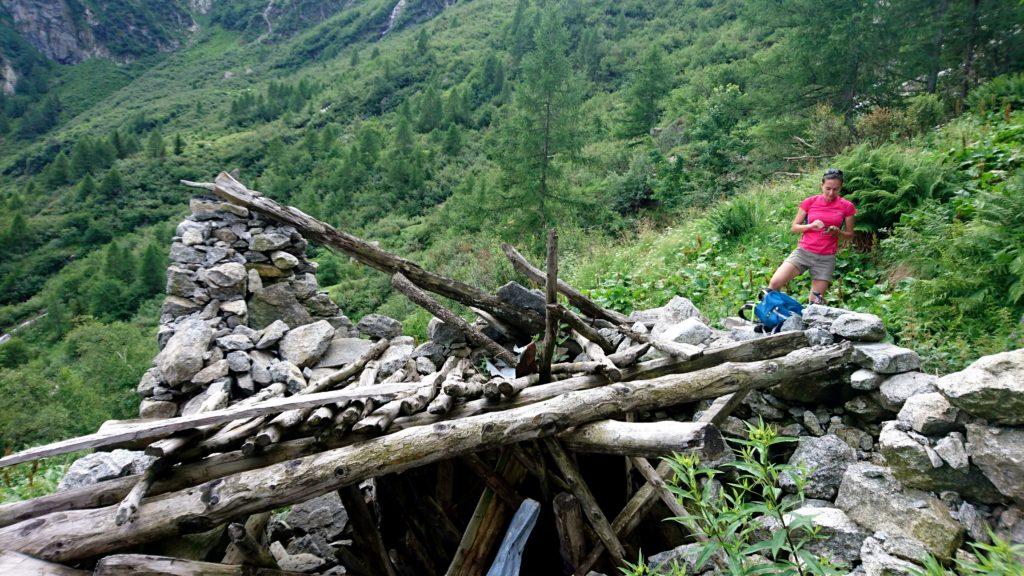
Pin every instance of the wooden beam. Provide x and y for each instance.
(370, 543)
(572, 539)
(551, 314)
(496, 483)
(147, 565)
(648, 439)
(15, 564)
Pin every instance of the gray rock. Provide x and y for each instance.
(866, 407)
(859, 327)
(818, 336)
(689, 331)
(886, 358)
(149, 381)
(396, 355)
(260, 370)
(303, 346)
(288, 374)
(321, 305)
(283, 260)
(323, 516)
(180, 282)
(952, 451)
(867, 380)
(231, 274)
(873, 498)
(233, 342)
(516, 294)
(431, 350)
(255, 283)
(822, 316)
(684, 556)
(215, 397)
(186, 254)
(176, 306)
(826, 458)
(840, 538)
(302, 562)
(877, 562)
(304, 286)
(999, 453)
(343, 350)
(153, 408)
(424, 366)
(760, 406)
(930, 414)
(973, 522)
(794, 323)
(895, 390)
(379, 326)
(99, 466)
(238, 361)
(215, 371)
(271, 334)
(277, 302)
(236, 307)
(268, 242)
(444, 334)
(811, 423)
(916, 465)
(182, 357)
(991, 388)
(310, 544)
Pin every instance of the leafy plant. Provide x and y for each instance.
(735, 218)
(1000, 558)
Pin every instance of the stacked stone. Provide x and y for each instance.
(243, 310)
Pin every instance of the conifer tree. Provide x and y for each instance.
(453, 140)
(151, 277)
(648, 86)
(59, 171)
(353, 60)
(111, 186)
(422, 42)
(179, 145)
(431, 110)
(155, 147)
(83, 159)
(87, 188)
(543, 129)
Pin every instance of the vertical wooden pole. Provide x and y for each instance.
(551, 315)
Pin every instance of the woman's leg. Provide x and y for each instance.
(786, 272)
(819, 287)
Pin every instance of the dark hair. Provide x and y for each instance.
(832, 174)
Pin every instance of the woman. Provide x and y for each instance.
(830, 218)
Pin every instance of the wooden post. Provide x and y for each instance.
(551, 314)
(572, 539)
(365, 532)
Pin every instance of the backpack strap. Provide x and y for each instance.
(748, 306)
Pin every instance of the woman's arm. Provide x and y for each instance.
(846, 232)
(797, 227)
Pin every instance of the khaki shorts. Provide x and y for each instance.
(822, 266)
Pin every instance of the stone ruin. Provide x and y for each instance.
(903, 464)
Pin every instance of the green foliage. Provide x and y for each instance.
(1000, 558)
(650, 81)
(731, 517)
(34, 479)
(734, 218)
(1001, 91)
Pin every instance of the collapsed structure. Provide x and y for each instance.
(398, 458)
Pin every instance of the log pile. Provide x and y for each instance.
(399, 458)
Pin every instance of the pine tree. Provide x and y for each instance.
(179, 145)
(155, 147)
(431, 110)
(544, 127)
(59, 171)
(150, 278)
(648, 86)
(422, 42)
(353, 60)
(87, 188)
(453, 140)
(590, 52)
(83, 159)
(111, 186)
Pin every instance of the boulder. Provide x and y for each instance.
(236, 307)
(396, 355)
(304, 286)
(153, 408)
(991, 388)
(867, 408)
(379, 326)
(323, 516)
(916, 465)
(518, 295)
(689, 331)
(872, 497)
(268, 241)
(431, 350)
(875, 561)
(821, 316)
(271, 334)
(999, 453)
(684, 556)
(895, 390)
(818, 336)
(215, 371)
(840, 538)
(826, 458)
(930, 414)
(238, 361)
(277, 302)
(886, 358)
(862, 379)
(952, 451)
(180, 282)
(859, 327)
(343, 350)
(99, 466)
(182, 357)
(260, 368)
(283, 260)
(149, 382)
(288, 374)
(303, 346)
(233, 342)
(176, 306)
(444, 334)
(228, 275)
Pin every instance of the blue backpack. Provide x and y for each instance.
(772, 310)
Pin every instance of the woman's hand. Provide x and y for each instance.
(816, 225)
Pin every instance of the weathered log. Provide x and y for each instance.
(508, 561)
(255, 532)
(233, 191)
(147, 565)
(403, 285)
(572, 539)
(577, 368)
(373, 553)
(591, 511)
(580, 325)
(586, 305)
(511, 388)
(321, 417)
(671, 348)
(648, 439)
(86, 533)
(153, 429)
(349, 370)
(597, 354)
(249, 551)
(14, 564)
(493, 481)
(506, 330)
(128, 509)
(551, 314)
(658, 483)
(629, 356)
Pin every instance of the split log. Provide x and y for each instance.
(146, 565)
(153, 429)
(671, 348)
(111, 491)
(591, 511)
(509, 558)
(597, 354)
(312, 229)
(551, 314)
(80, 534)
(586, 305)
(403, 285)
(507, 331)
(648, 439)
(572, 540)
(15, 564)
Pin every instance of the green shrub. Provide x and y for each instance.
(734, 218)
(925, 111)
(997, 93)
(1000, 558)
(881, 124)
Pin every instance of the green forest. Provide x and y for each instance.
(668, 142)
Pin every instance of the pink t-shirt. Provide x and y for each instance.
(832, 214)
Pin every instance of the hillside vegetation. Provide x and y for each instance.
(419, 129)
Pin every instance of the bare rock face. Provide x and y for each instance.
(182, 358)
(303, 346)
(999, 452)
(873, 498)
(991, 388)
